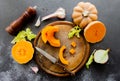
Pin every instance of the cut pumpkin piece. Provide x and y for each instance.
(72, 51)
(48, 35)
(22, 51)
(62, 59)
(73, 44)
(44, 33)
(51, 39)
(95, 31)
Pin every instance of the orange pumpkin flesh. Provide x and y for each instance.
(95, 32)
(72, 51)
(44, 33)
(73, 44)
(51, 39)
(62, 59)
(48, 35)
(22, 52)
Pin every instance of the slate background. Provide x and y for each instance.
(109, 11)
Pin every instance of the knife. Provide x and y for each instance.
(53, 60)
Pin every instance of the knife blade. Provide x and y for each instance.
(53, 59)
(48, 56)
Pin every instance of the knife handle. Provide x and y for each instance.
(17, 25)
(65, 69)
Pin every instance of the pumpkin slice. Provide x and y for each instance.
(44, 33)
(50, 36)
(62, 59)
(22, 52)
(95, 32)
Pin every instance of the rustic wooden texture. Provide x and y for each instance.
(76, 61)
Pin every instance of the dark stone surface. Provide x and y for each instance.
(109, 11)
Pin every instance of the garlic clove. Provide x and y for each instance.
(49, 16)
(35, 7)
(59, 13)
(34, 69)
(38, 22)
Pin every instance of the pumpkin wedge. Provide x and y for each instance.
(44, 33)
(22, 51)
(48, 35)
(62, 59)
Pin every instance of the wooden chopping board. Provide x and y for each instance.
(76, 61)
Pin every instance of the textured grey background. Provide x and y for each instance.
(109, 13)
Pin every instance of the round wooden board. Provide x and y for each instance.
(76, 61)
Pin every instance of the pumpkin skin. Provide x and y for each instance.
(44, 33)
(48, 35)
(84, 13)
(62, 59)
